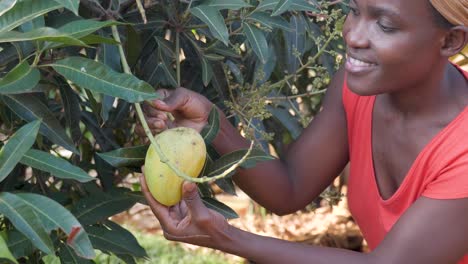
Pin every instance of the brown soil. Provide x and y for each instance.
(326, 226)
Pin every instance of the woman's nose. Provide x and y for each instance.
(356, 33)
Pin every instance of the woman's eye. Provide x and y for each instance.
(385, 28)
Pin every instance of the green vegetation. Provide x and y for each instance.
(74, 72)
(161, 251)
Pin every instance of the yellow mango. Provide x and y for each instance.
(185, 149)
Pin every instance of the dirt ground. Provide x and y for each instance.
(326, 226)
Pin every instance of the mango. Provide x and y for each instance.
(184, 148)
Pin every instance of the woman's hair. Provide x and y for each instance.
(439, 20)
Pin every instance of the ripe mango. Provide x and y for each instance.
(184, 148)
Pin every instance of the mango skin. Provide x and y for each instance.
(186, 149)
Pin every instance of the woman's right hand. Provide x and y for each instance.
(188, 108)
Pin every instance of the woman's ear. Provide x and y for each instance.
(455, 40)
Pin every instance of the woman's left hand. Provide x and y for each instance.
(190, 221)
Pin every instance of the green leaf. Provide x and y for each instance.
(227, 4)
(101, 78)
(166, 46)
(116, 239)
(25, 11)
(126, 157)
(5, 253)
(67, 255)
(22, 78)
(263, 71)
(281, 7)
(103, 135)
(215, 21)
(224, 51)
(16, 146)
(107, 105)
(110, 56)
(295, 42)
(267, 5)
(294, 5)
(53, 216)
(6, 5)
(207, 71)
(58, 167)
(100, 206)
(24, 218)
(213, 57)
(165, 65)
(30, 109)
(71, 5)
(96, 39)
(85, 27)
(210, 131)
(289, 122)
(40, 34)
(219, 207)
(227, 185)
(51, 259)
(268, 21)
(235, 71)
(257, 41)
(19, 244)
(230, 159)
(304, 5)
(71, 107)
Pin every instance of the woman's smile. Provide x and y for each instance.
(358, 66)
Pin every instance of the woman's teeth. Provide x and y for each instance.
(357, 62)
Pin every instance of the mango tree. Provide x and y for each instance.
(74, 73)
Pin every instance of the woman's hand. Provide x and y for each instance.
(189, 221)
(189, 109)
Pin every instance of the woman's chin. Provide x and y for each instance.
(361, 89)
(362, 86)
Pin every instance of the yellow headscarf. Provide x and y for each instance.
(455, 11)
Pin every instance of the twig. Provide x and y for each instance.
(141, 8)
(296, 96)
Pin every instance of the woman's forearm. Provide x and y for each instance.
(262, 180)
(260, 249)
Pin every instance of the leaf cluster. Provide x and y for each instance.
(69, 154)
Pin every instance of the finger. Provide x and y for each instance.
(155, 123)
(183, 208)
(160, 211)
(175, 100)
(152, 112)
(139, 130)
(193, 201)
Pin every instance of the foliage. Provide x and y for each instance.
(72, 73)
(161, 251)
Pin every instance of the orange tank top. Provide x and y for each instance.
(440, 171)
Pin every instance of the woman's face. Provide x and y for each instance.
(391, 44)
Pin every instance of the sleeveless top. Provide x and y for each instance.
(440, 171)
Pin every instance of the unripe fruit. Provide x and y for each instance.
(185, 149)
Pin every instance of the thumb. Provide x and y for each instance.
(174, 100)
(192, 199)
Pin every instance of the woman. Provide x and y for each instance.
(397, 112)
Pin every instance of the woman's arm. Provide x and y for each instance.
(312, 162)
(430, 232)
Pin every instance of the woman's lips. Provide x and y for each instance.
(354, 65)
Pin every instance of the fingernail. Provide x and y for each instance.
(161, 103)
(189, 187)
